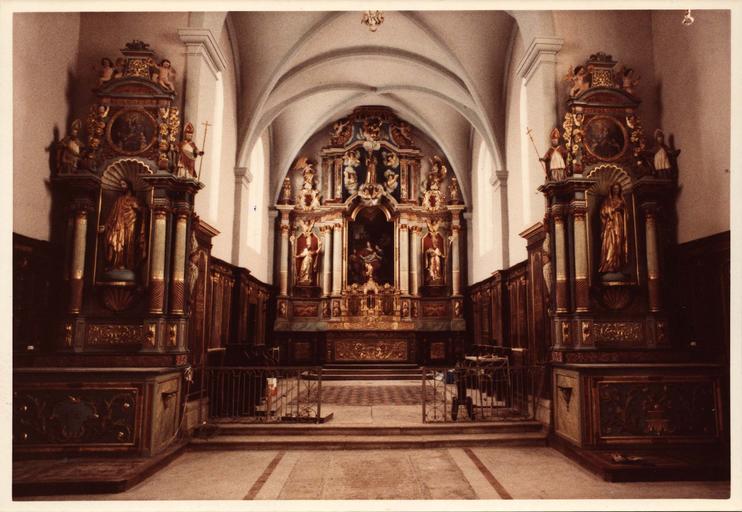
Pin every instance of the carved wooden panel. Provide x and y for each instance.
(302, 351)
(58, 415)
(437, 350)
(670, 407)
(435, 309)
(370, 350)
(568, 402)
(113, 334)
(306, 309)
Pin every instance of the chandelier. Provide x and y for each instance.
(373, 19)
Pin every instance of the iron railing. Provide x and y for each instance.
(259, 394)
(488, 392)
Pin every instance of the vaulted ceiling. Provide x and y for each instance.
(441, 71)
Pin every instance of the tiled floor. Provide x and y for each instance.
(447, 473)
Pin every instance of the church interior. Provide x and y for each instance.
(370, 255)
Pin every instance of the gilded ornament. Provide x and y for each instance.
(113, 334)
(618, 332)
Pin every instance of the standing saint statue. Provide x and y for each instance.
(124, 244)
(614, 242)
(307, 264)
(189, 152)
(433, 262)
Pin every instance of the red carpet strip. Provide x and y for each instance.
(260, 482)
(489, 476)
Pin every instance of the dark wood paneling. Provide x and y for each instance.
(32, 285)
(700, 284)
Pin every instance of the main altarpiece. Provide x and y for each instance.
(369, 249)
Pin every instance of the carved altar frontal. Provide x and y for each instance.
(369, 239)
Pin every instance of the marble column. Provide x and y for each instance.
(415, 266)
(337, 259)
(283, 267)
(157, 269)
(326, 260)
(77, 268)
(455, 261)
(404, 259)
(177, 284)
(560, 242)
(582, 292)
(653, 267)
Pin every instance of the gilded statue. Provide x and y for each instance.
(433, 262)
(124, 243)
(307, 258)
(629, 79)
(69, 149)
(614, 241)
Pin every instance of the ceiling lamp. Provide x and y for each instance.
(373, 19)
(688, 19)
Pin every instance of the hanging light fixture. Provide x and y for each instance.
(688, 19)
(373, 19)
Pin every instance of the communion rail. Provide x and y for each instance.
(487, 392)
(259, 394)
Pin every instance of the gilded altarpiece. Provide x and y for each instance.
(609, 234)
(369, 248)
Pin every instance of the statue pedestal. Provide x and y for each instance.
(307, 291)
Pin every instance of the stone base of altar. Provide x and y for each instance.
(373, 347)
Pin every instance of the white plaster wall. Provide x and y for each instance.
(692, 74)
(258, 254)
(227, 134)
(515, 129)
(42, 91)
(484, 227)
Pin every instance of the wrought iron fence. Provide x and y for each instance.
(486, 392)
(262, 394)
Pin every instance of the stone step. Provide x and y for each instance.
(469, 428)
(370, 376)
(355, 442)
(365, 366)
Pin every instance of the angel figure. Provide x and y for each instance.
(402, 133)
(436, 174)
(351, 160)
(579, 80)
(629, 79)
(165, 75)
(391, 159)
(106, 72)
(391, 181)
(336, 132)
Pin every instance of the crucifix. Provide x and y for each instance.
(203, 148)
